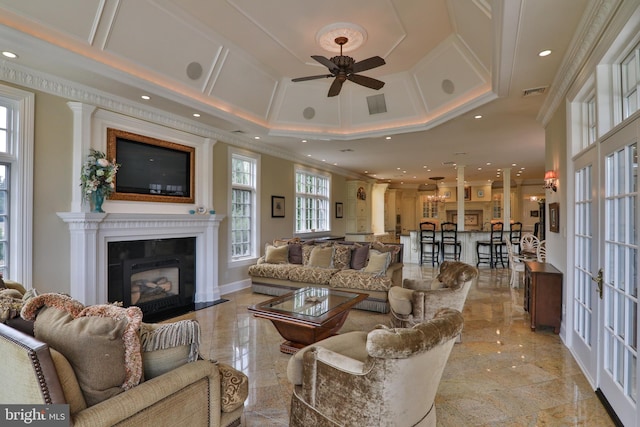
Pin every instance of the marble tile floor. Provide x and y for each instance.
(501, 374)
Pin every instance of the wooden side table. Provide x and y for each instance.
(543, 294)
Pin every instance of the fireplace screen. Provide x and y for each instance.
(154, 284)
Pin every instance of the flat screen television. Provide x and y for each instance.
(151, 169)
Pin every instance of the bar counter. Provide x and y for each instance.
(468, 239)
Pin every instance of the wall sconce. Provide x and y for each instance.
(550, 180)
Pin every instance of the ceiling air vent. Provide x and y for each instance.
(534, 91)
(376, 104)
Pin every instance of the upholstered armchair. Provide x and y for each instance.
(387, 377)
(418, 300)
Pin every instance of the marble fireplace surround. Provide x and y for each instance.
(90, 234)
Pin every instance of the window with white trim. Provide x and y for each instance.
(630, 74)
(312, 201)
(16, 184)
(243, 222)
(591, 121)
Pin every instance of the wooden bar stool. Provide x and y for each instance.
(429, 246)
(449, 238)
(493, 247)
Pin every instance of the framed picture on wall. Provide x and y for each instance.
(339, 210)
(480, 194)
(277, 207)
(467, 193)
(554, 217)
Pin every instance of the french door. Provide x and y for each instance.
(585, 303)
(618, 359)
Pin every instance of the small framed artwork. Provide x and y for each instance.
(534, 214)
(447, 194)
(339, 210)
(277, 207)
(554, 217)
(467, 193)
(480, 194)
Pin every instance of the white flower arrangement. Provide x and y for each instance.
(98, 173)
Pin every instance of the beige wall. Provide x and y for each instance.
(556, 159)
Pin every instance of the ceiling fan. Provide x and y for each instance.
(345, 68)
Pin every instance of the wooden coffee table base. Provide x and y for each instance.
(298, 335)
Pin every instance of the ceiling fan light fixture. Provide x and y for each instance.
(326, 37)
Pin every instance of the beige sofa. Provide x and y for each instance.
(370, 268)
(175, 391)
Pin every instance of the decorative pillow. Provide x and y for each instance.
(276, 255)
(167, 346)
(359, 256)
(285, 242)
(393, 249)
(234, 388)
(306, 253)
(378, 262)
(341, 256)
(321, 257)
(101, 342)
(295, 253)
(453, 274)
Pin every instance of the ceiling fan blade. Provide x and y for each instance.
(367, 64)
(302, 79)
(335, 87)
(326, 62)
(366, 81)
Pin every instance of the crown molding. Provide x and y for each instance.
(588, 35)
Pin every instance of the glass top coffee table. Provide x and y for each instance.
(307, 315)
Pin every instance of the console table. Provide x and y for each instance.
(543, 294)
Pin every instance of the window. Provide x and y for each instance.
(244, 179)
(591, 121)
(312, 202)
(16, 184)
(630, 70)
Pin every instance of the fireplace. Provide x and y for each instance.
(157, 275)
(91, 234)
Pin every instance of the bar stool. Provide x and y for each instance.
(515, 233)
(449, 238)
(429, 246)
(494, 245)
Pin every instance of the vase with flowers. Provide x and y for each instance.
(98, 179)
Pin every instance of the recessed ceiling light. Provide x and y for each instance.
(308, 155)
(256, 137)
(366, 171)
(196, 115)
(398, 168)
(477, 116)
(479, 169)
(388, 137)
(513, 164)
(545, 53)
(8, 54)
(304, 140)
(145, 97)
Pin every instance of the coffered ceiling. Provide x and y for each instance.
(232, 61)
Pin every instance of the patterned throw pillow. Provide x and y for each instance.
(341, 256)
(101, 342)
(393, 249)
(295, 253)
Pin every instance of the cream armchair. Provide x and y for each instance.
(387, 377)
(418, 300)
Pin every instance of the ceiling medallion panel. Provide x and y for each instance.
(356, 35)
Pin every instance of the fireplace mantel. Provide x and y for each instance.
(90, 233)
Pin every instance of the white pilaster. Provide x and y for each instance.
(460, 209)
(81, 143)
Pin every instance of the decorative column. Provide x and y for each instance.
(377, 207)
(460, 184)
(81, 143)
(506, 198)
